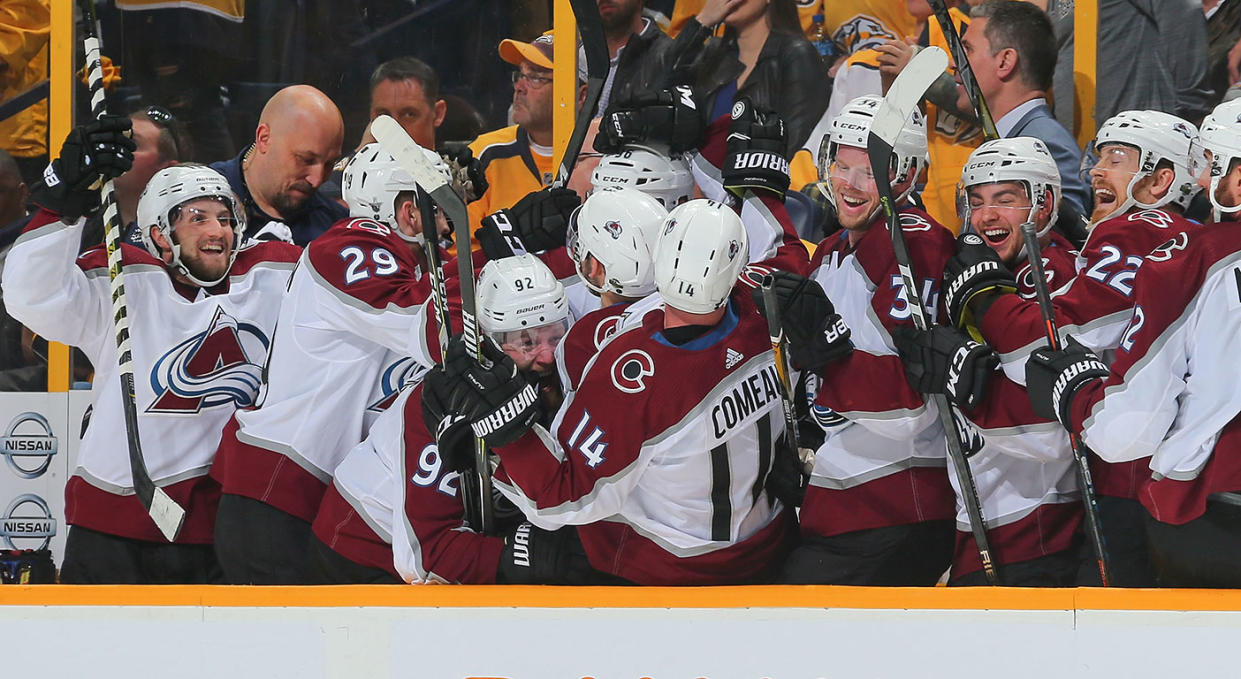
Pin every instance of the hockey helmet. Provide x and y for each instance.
(372, 181)
(160, 203)
(1025, 160)
(701, 249)
(1221, 135)
(1157, 136)
(519, 293)
(851, 127)
(666, 179)
(618, 227)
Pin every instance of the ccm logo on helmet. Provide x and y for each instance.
(630, 370)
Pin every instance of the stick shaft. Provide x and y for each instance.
(1090, 503)
(964, 71)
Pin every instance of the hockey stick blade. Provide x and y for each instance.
(595, 47)
(906, 92)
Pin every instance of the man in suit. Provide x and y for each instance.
(1012, 48)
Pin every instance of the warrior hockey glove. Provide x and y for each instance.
(533, 556)
(817, 335)
(538, 222)
(498, 400)
(99, 150)
(754, 152)
(1054, 377)
(467, 172)
(665, 118)
(441, 400)
(975, 272)
(944, 361)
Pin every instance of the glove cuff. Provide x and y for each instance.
(1070, 381)
(508, 416)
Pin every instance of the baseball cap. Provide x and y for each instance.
(537, 51)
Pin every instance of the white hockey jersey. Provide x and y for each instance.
(356, 325)
(197, 356)
(1172, 393)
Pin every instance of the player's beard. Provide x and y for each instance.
(548, 384)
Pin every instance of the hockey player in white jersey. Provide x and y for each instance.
(1169, 399)
(660, 456)
(202, 311)
(1142, 180)
(355, 325)
(612, 241)
(1024, 468)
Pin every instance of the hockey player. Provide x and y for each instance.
(523, 311)
(202, 313)
(1142, 181)
(1024, 469)
(660, 456)
(1169, 400)
(355, 325)
(878, 510)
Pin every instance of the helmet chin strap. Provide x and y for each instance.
(1218, 209)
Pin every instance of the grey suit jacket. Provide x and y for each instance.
(1041, 124)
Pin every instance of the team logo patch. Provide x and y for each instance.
(606, 328)
(733, 249)
(613, 229)
(396, 377)
(916, 222)
(219, 366)
(1164, 252)
(1158, 218)
(753, 275)
(630, 371)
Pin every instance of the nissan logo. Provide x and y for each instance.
(28, 445)
(27, 518)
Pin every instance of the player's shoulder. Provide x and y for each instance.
(362, 234)
(258, 253)
(594, 329)
(1136, 232)
(131, 255)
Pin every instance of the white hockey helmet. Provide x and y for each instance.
(519, 293)
(699, 254)
(1221, 135)
(173, 186)
(1016, 159)
(618, 226)
(372, 181)
(666, 179)
(851, 127)
(1157, 136)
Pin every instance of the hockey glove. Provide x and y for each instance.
(817, 335)
(498, 400)
(974, 273)
(538, 222)
(787, 479)
(99, 150)
(944, 361)
(441, 398)
(664, 118)
(533, 556)
(754, 152)
(1054, 377)
(467, 172)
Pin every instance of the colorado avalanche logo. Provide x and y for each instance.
(672, 224)
(613, 229)
(217, 367)
(606, 328)
(630, 371)
(733, 249)
(396, 377)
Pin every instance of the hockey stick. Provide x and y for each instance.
(776, 332)
(1094, 530)
(897, 107)
(964, 71)
(393, 138)
(164, 511)
(595, 45)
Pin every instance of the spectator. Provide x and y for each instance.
(13, 195)
(1223, 37)
(762, 56)
(1012, 49)
(517, 160)
(25, 26)
(855, 25)
(409, 90)
(635, 44)
(296, 143)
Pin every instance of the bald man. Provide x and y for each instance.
(296, 143)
